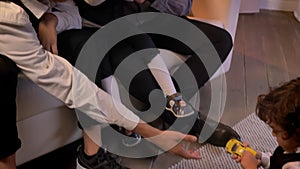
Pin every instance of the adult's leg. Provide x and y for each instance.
(90, 153)
(9, 143)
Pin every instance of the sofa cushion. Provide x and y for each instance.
(32, 100)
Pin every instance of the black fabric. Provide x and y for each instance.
(219, 38)
(70, 42)
(144, 82)
(278, 159)
(8, 83)
(10, 142)
(102, 14)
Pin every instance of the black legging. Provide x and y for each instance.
(10, 142)
(144, 82)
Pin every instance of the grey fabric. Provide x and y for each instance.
(175, 7)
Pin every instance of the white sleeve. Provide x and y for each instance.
(292, 165)
(57, 76)
(94, 2)
(68, 16)
(265, 160)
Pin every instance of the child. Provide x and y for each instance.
(280, 109)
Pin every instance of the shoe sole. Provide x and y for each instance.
(180, 116)
(131, 145)
(78, 166)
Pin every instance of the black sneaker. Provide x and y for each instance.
(220, 136)
(129, 140)
(178, 106)
(102, 160)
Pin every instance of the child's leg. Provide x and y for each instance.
(161, 74)
(175, 102)
(157, 67)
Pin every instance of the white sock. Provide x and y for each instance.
(162, 75)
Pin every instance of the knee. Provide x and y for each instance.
(225, 44)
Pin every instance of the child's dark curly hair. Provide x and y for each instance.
(282, 106)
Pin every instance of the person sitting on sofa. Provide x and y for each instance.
(69, 50)
(89, 154)
(73, 47)
(21, 50)
(103, 12)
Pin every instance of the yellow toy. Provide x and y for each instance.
(234, 146)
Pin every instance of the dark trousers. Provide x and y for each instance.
(9, 142)
(143, 83)
(220, 39)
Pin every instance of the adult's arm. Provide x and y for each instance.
(58, 77)
(54, 74)
(94, 2)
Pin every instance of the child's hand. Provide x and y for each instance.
(248, 161)
(47, 32)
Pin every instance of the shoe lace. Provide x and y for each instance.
(111, 160)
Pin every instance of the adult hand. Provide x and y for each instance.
(47, 32)
(174, 142)
(171, 141)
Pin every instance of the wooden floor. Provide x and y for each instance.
(266, 53)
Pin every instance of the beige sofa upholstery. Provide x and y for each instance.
(45, 124)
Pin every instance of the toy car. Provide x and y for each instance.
(234, 146)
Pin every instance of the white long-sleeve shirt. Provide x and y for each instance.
(19, 42)
(66, 12)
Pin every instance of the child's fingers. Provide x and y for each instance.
(236, 158)
(246, 144)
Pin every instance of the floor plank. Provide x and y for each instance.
(235, 101)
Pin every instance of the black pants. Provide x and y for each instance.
(142, 84)
(9, 142)
(220, 39)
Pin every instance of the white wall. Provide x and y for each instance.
(283, 5)
(297, 12)
(252, 6)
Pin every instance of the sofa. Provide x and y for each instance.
(46, 124)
